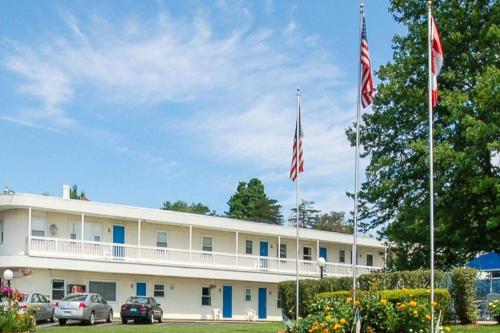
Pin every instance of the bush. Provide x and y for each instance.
(495, 310)
(399, 280)
(14, 320)
(463, 293)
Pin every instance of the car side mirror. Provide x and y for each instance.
(158, 304)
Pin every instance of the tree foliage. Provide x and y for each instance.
(182, 206)
(307, 216)
(250, 202)
(395, 195)
(311, 218)
(73, 193)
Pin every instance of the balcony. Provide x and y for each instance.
(124, 253)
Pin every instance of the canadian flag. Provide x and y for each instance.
(436, 59)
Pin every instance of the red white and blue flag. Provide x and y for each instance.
(366, 70)
(298, 154)
(437, 57)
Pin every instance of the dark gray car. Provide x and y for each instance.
(86, 308)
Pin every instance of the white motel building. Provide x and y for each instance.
(196, 266)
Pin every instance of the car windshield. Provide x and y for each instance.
(75, 298)
(138, 300)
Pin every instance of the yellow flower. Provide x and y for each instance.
(447, 329)
(434, 304)
(327, 308)
(337, 327)
(325, 330)
(415, 313)
(356, 302)
(404, 290)
(328, 318)
(412, 304)
(402, 307)
(343, 321)
(427, 317)
(349, 299)
(383, 301)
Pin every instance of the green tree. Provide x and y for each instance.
(250, 202)
(333, 221)
(73, 193)
(308, 215)
(182, 206)
(395, 195)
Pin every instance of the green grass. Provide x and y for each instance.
(170, 328)
(476, 329)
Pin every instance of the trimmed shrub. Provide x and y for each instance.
(399, 280)
(463, 293)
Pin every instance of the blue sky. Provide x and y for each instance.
(139, 102)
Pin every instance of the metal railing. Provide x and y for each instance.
(89, 250)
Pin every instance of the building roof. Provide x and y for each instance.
(113, 211)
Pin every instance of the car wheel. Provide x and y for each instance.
(110, 316)
(62, 322)
(91, 320)
(124, 321)
(151, 319)
(160, 320)
(52, 318)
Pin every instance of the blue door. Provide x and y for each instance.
(227, 302)
(262, 303)
(141, 289)
(118, 238)
(264, 252)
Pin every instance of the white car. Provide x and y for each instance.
(86, 308)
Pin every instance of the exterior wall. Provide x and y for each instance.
(15, 223)
(182, 295)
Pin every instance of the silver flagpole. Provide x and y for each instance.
(431, 157)
(297, 199)
(356, 163)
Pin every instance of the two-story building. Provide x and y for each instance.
(196, 266)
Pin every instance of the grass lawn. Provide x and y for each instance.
(169, 328)
(476, 328)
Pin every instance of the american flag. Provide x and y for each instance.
(297, 160)
(437, 60)
(366, 74)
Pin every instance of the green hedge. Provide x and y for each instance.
(371, 281)
(463, 293)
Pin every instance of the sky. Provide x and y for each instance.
(138, 102)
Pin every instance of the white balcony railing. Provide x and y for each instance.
(69, 248)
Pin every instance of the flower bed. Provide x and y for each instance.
(13, 319)
(336, 313)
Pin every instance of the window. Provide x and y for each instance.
(206, 296)
(342, 256)
(76, 288)
(42, 299)
(161, 239)
(369, 259)
(278, 301)
(1, 231)
(207, 243)
(248, 247)
(38, 226)
(307, 253)
(159, 290)
(93, 231)
(57, 289)
(248, 294)
(282, 250)
(106, 289)
(73, 230)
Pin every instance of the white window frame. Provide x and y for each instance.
(304, 253)
(366, 258)
(166, 238)
(212, 243)
(43, 219)
(102, 296)
(248, 294)
(52, 287)
(164, 289)
(251, 247)
(210, 295)
(91, 234)
(340, 260)
(279, 251)
(2, 224)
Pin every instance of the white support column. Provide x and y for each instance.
(83, 226)
(317, 248)
(29, 230)
(190, 242)
(237, 242)
(139, 232)
(279, 252)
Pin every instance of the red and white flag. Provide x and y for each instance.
(366, 70)
(436, 60)
(298, 154)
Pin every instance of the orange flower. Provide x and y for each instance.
(337, 327)
(343, 321)
(383, 301)
(427, 317)
(356, 302)
(413, 304)
(434, 304)
(349, 299)
(402, 307)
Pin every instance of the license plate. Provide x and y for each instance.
(133, 310)
(67, 312)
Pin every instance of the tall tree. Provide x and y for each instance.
(333, 221)
(308, 215)
(250, 202)
(395, 195)
(182, 206)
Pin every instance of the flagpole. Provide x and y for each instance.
(297, 199)
(431, 157)
(356, 163)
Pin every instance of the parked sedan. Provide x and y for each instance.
(141, 308)
(86, 308)
(44, 310)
